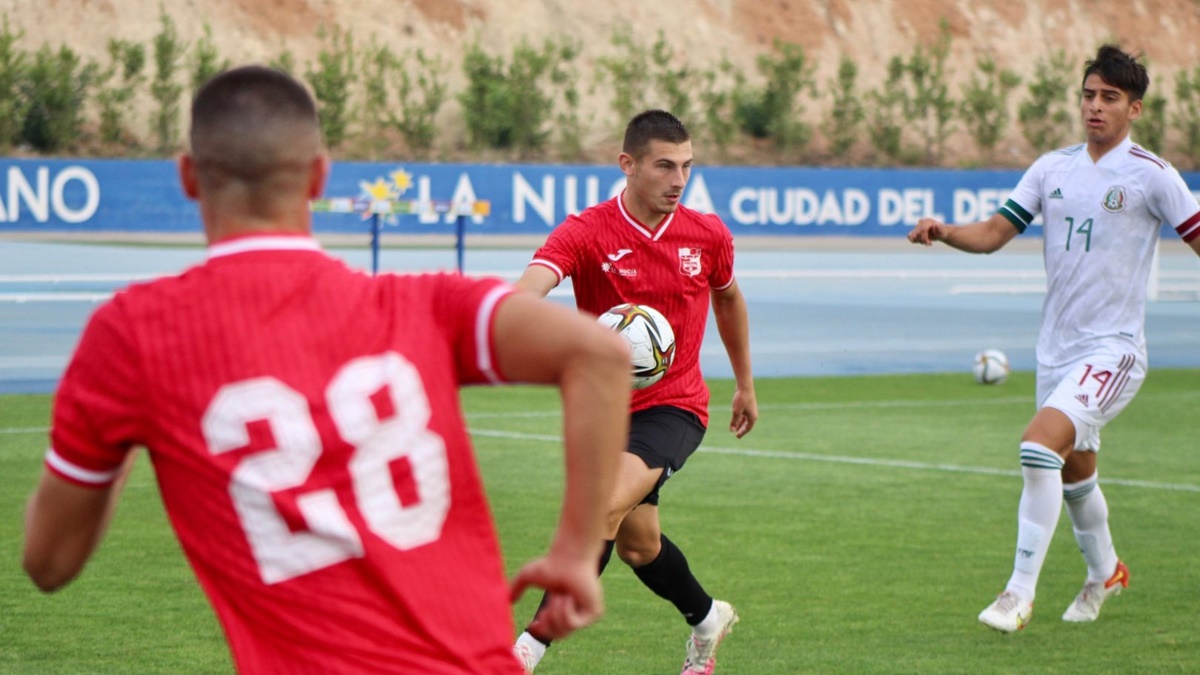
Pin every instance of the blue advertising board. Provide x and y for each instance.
(144, 196)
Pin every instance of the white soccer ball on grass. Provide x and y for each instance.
(991, 367)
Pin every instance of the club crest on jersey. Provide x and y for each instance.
(1114, 199)
(689, 261)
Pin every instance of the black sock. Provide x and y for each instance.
(605, 556)
(669, 576)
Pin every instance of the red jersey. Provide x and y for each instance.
(612, 258)
(304, 425)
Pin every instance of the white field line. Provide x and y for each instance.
(71, 278)
(54, 297)
(803, 456)
(841, 459)
(861, 461)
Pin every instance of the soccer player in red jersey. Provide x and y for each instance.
(644, 247)
(304, 425)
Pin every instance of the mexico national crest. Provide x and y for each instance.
(689, 261)
(1114, 199)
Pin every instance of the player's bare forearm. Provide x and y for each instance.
(537, 279)
(63, 524)
(595, 399)
(985, 236)
(1195, 244)
(541, 342)
(733, 325)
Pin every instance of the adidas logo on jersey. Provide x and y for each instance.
(1082, 398)
(1057, 194)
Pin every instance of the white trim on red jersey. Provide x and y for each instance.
(551, 266)
(77, 473)
(263, 243)
(658, 231)
(483, 332)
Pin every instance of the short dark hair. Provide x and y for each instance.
(653, 125)
(1121, 70)
(252, 121)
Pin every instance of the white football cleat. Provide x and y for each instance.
(1008, 614)
(1087, 604)
(702, 653)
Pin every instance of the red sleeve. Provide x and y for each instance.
(467, 309)
(560, 252)
(722, 272)
(98, 405)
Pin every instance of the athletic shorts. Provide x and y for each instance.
(1092, 391)
(664, 437)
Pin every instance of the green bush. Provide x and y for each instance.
(1045, 117)
(1187, 119)
(984, 105)
(846, 114)
(421, 95)
(168, 56)
(332, 79)
(928, 106)
(626, 74)
(116, 86)
(565, 77)
(717, 101)
(776, 110)
(504, 106)
(12, 74)
(55, 89)
(205, 60)
(884, 123)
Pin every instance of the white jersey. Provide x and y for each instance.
(1101, 226)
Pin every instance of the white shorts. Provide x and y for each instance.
(1092, 391)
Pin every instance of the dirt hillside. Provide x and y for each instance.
(1016, 34)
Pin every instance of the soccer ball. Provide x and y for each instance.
(991, 367)
(651, 340)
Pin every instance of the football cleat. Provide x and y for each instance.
(702, 653)
(1087, 604)
(1008, 614)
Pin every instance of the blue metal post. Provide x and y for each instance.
(460, 230)
(374, 243)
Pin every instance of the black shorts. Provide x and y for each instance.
(664, 437)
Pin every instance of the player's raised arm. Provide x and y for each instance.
(733, 324)
(985, 236)
(538, 341)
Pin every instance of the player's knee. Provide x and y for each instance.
(637, 553)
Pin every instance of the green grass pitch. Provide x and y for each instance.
(859, 529)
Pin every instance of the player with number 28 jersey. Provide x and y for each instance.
(269, 518)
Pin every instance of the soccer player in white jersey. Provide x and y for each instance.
(1103, 204)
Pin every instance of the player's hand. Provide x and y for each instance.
(745, 412)
(575, 598)
(927, 231)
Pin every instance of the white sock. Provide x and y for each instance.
(535, 646)
(709, 626)
(1037, 515)
(1089, 519)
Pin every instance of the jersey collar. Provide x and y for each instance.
(1119, 150)
(262, 242)
(653, 235)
